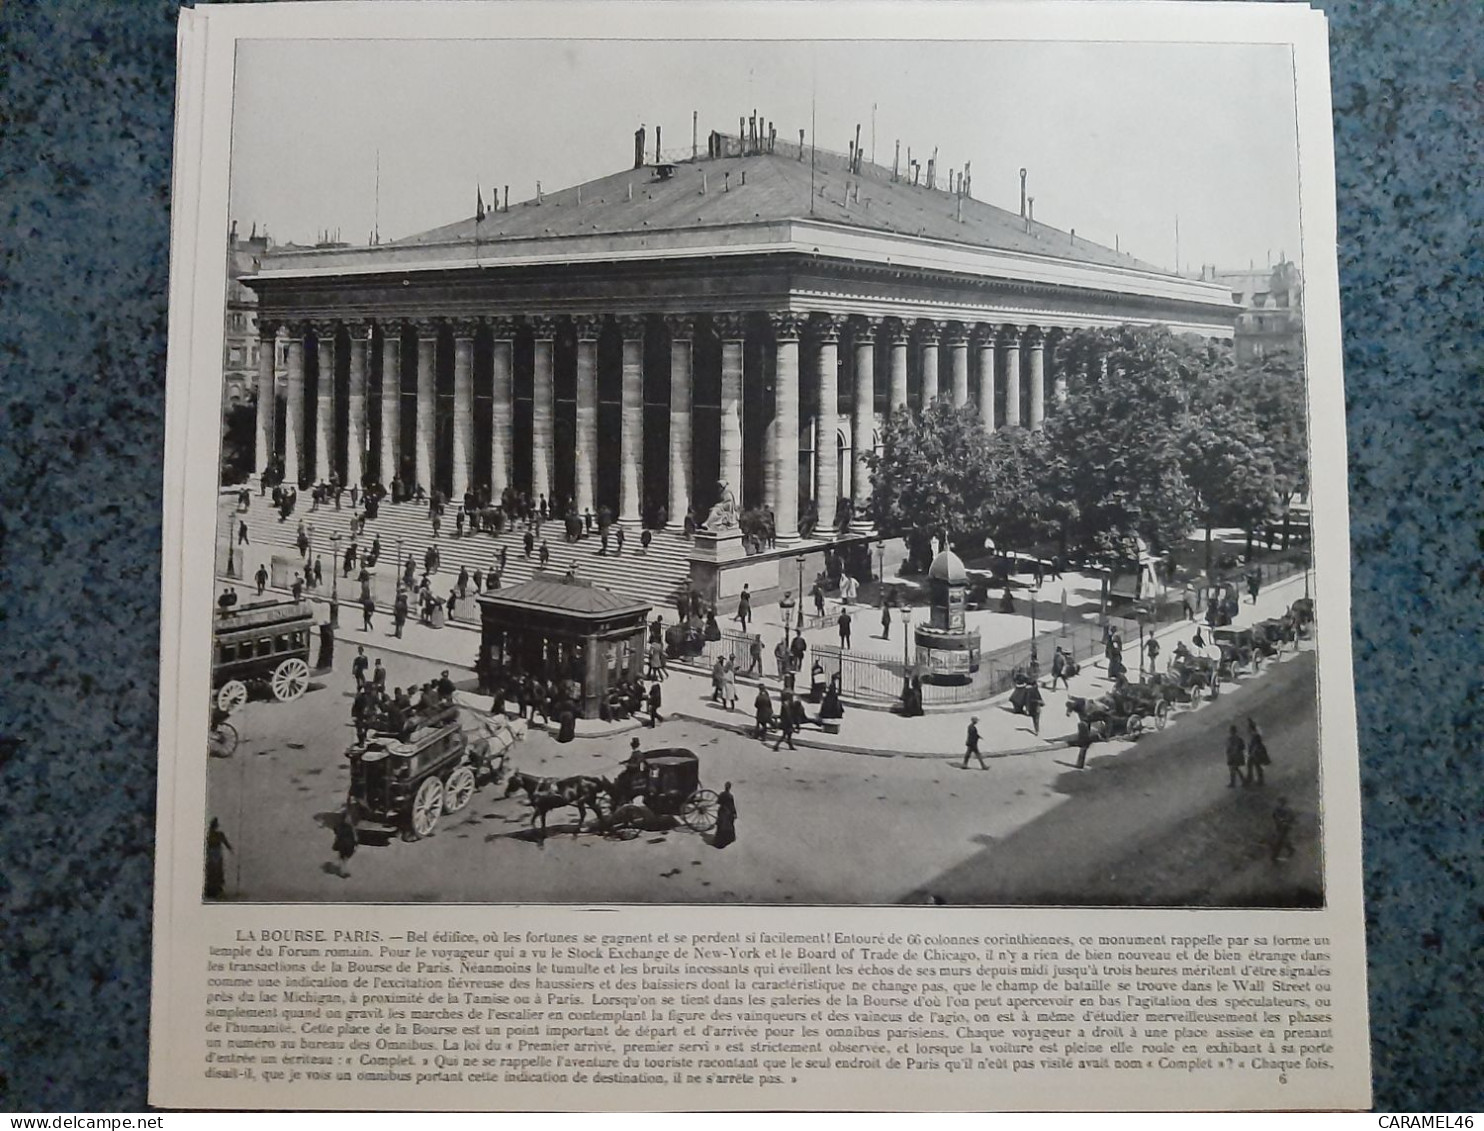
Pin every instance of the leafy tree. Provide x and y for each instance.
(1116, 445)
(1229, 468)
(1274, 390)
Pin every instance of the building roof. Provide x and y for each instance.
(711, 192)
(553, 594)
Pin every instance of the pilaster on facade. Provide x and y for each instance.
(586, 328)
(464, 332)
(426, 432)
(985, 338)
(956, 337)
(391, 400)
(359, 338)
(731, 331)
(1035, 342)
(266, 448)
(543, 405)
(294, 429)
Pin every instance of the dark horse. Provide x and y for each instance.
(545, 794)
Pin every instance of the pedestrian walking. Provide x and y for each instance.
(368, 607)
(399, 613)
(1084, 740)
(755, 656)
(1283, 822)
(762, 712)
(1254, 584)
(726, 818)
(645, 539)
(1152, 647)
(603, 549)
(744, 608)
(1257, 754)
(785, 722)
(818, 594)
(319, 572)
(297, 589)
(216, 863)
(781, 658)
(971, 745)
(346, 840)
(797, 650)
(1236, 758)
(618, 537)
(378, 678)
(242, 533)
(1059, 669)
(261, 577)
(544, 554)
(654, 704)
(885, 620)
(844, 624)
(1033, 705)
(359, 666)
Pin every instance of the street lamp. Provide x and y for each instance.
(335, 579)
(906, 611)
(800, 561)
(1035, 659)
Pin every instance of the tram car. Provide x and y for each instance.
(261, 648)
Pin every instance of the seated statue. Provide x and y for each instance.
(723, 513)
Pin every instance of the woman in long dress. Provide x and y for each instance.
(726, 818)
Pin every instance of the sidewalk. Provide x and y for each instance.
(869, 731)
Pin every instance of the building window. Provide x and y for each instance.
(234, 355)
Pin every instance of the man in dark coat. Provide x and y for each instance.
(262, 579)
(844, 623)
(1236, 758)
(971, 744)
(762, 708)
(654, 704)
(786, 725)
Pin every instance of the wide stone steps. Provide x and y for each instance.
(654, 575)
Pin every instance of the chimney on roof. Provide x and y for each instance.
(968, 178)
(538, 192)
(856, 167)
(631, 190)
(1030, 212)
(772, 137)
(657, 157)
(851, 145)
(1022, 192)
(896, 158)
(639, 146)
(727, 182)
(695, 134)
(801, 145)
(741, 135)
(507, 198)
(744, 176)
(703, 182)
(1073, 234)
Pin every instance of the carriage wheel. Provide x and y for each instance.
(458, 789)
(1197, 693)
(232, 695)
(427, 807)
(1134, 725)
(1099, 730)
(1216, 685)
(1257, 658)
(1161, 714)
(290, 680)
(699, 810)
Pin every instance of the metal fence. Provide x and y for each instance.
(737, 645)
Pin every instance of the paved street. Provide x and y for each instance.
(1151, 821)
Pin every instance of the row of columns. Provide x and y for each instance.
(781, 459)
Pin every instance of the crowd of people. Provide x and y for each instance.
(401, 711)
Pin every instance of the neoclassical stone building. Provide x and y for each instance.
(746, 317)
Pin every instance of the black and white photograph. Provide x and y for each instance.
(777, 471)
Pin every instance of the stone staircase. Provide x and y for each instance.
(654, 575)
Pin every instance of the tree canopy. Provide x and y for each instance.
(1159, 435)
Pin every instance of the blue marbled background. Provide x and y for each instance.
(85, 134)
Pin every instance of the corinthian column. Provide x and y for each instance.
(931, 330)
(544, 330)
(682, 335)
(786, 329)
(267, 342)
(1037, 342)
(324, 400)
(293, 433)
(958, 347)
(631, 433)
(1011, 339)
(900, 335)
(502, 407)
(427, 434)
(863, 425)
(391, 401)
(463, 405)
(587, 327)
(984, 339)
(826, 420)
(732, 330)
(355, 403)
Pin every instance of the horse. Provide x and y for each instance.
(545, 794)
(1096, 713)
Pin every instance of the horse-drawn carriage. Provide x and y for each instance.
(1241, 651)
(1143, 701)
(261, 647)
(409, 785)
(1195, 676)
(670, 782)
(1109, 716)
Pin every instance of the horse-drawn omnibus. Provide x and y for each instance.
(260, 647)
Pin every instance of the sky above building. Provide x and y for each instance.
(1119, 140)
